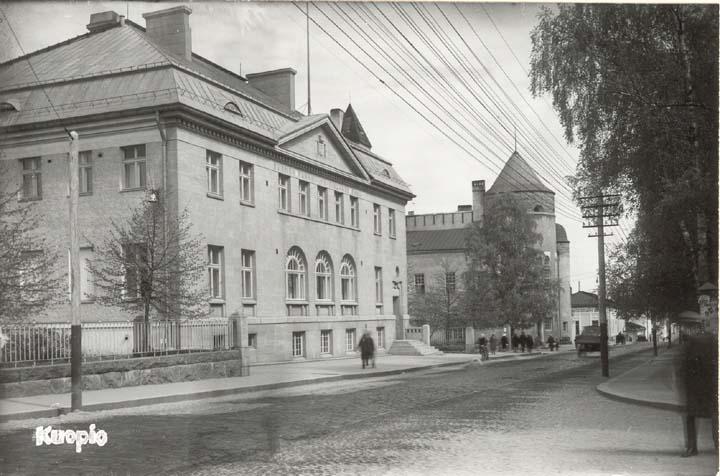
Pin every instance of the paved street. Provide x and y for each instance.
(539, 416)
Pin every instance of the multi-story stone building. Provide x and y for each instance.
(436, 242)
(303, 221)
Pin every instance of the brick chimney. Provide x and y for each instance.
(478, 196)
(279, 84)
(336, 116)
(170, 29)
(103, 21)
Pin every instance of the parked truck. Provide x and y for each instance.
(589, 340)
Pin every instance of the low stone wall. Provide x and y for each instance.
(24, 382)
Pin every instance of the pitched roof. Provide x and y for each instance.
(517, 176)
(352, 129)
(379, 169)
(437, 240)
(586, 299)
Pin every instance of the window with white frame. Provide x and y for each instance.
(548, 323)
(339, 208)
(324, 277)
(378, 285)
(349, 340)
(391, 222)
(213, 169)
(377, 219)
(450, 282)
(298, 344)
(247, 185)
(134, 167)
(322, 203)
(304, 204)
(215, 271)
(32, 185)
(347, 279)
(564, 325)
(247, 269)
(296, 272)
(381, 337)
(326, 341)
(420, 283)
(284, 192)
(252, 340)
(85, 171)
(354, 212)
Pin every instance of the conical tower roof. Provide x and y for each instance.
(352, 129)
(518, 176)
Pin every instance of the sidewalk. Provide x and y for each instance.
(649, 384)
(262, 377)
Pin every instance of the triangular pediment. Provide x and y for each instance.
(320, 142)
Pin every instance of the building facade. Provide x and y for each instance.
(303, 221)
(585, 312)
(436, 242)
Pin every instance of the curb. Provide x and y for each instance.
(49, 413)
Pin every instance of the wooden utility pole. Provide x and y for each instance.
(75, 327)
(596, 209)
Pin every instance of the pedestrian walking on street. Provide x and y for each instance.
(523, 341)
(529, 343)
(504, 342)
(493, 344)
(551, 343)
(696, 376)
(515, 340)
(482, 346)
(367, 349)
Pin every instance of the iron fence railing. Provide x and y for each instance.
(49, 343)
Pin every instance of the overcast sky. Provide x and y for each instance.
(272, 35)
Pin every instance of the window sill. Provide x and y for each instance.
(215, 300)
(249, 300)
(247, 204)
(136, 189)
(214, 196)
(377, 234)
(393, 237)
(316, 220)
(29, 199)
(87, 301)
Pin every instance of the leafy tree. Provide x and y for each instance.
(152, 265)
(636, 86)
(439, 303)
(507, 281)
(28, 283)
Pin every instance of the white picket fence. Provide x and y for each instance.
(49, 343)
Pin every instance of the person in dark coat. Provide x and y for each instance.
(515, 340)
(696, 378)
(367, 349)
(504, 342)
(493, 344)
(523, 341)
(529, 342)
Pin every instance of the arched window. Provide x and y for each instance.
(386, 172)
(348, 284)
(232, 107)
(324, 277)
(538, 208)
(296, 272)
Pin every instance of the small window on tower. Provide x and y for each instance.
(538, 208)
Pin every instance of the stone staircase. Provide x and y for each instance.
(411, 347)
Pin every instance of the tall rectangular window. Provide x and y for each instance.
(377, 219)
(304, 203)
(213, 169)
(378, 285)
(420, 283)
(391, 222)
(246, 183)
(215, 271)
(322, 203)
(284, 192)
(298, 344)
(381, 337)
(248, 274)
(339, 208)
(86, 178)
(134, 167)
(354, 213)
(349, 340)
(32, 185)
(326, 341)
(134, 256)
(450, 282)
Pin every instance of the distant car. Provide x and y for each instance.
(589, 340)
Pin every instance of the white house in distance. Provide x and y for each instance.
(585, 312)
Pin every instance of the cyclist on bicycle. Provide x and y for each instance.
(482, 347)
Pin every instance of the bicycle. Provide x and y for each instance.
(484, 353)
